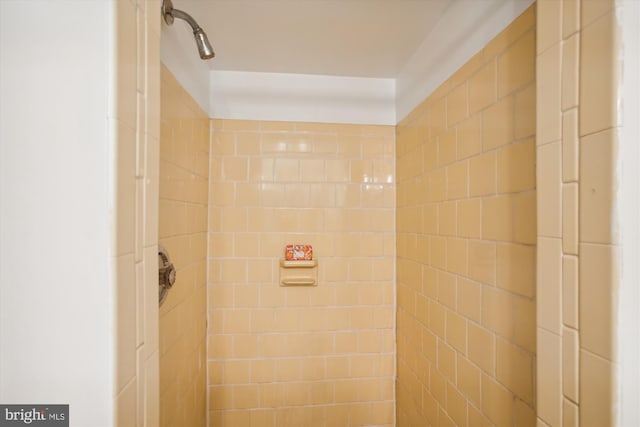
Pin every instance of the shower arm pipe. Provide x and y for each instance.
(177, 13)
(169, 13)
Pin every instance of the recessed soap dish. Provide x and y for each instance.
(303, 263)
(298, 272)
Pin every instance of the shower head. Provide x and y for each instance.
(169, 13)
(204, 47)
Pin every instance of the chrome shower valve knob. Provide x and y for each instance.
(167, 276)
(166, 273)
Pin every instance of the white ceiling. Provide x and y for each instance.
(359, 38)
(343, 61)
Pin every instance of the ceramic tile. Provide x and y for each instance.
(498, 124)
(447, 147)
(497, 310)
(597, 187)
(468, 299)
(549, 371)
(468, 218)
(597, 390)
(597, 295)
(549, 289)
(549, 21)
(570, 224)
(430, 156)
(447, 361)
(457, 181)
(444, 419)
(477, 418)
(126, 405)
(126, 59)
(548, 95)
(438, 253)
(524, 414)
(570, 17)
(125, 190)
(437, 386)
(517, 65)
(549, 190)
(456, 405)
(524, 218)
(496, 402)
(456, 333)
(591, 10)
(524, 333)
(483, 87)
(126, 317)
(153, 20)
(514, 369)
(470, 137)
(525, 112)
(141, 124)
(483, 175)
(152, 90)
(497, 218)
(151, 387)
(516, 269)
(599, 72)
(151, 192)
(481, 345)
(570, 291)
(141, 54)
(140, 301)
(570, 364)
(457, 105)
(437, 319)
(570, 414)
(447, 289)
(447, 219)
(139, 219)
(570, 72)
(437, 117)
(469, 379)
(570, 146)
(516, 167)
(541, 423)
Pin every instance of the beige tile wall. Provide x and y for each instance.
(466, 242)
(301, 356)
(136, 131)
(184, 180)
(578, 73)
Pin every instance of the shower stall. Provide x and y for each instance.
(425, 307)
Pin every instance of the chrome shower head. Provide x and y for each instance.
(169, 13)
(204, 47)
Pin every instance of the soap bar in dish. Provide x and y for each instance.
(299, 252)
